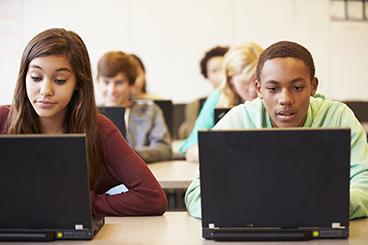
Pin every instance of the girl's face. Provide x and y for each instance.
(213, 67)
(244, 88)
(50, 84)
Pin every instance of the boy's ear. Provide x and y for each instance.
(257, 84)
(314, 86)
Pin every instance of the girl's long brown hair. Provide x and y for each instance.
(81, 116)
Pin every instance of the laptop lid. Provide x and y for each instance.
(220, 112)
(360, 109)
(45, 188)
(279, 179)
(167, 109)
(116, 115)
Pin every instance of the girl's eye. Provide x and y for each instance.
(59, 81)
(36, 79)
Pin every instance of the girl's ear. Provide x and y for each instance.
(230, 79)
(257, 84)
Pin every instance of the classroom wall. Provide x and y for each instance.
(171, 36)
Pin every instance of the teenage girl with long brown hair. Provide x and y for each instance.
(54, 94)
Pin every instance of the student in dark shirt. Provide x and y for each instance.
(54, 94)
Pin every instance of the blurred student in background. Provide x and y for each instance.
(211, 65)
(237, 86)
(147, 132)
(139, 89)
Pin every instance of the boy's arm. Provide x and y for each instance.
(359, 166)
(235, 118)
(159, 139)
(359, 195)
(193, 197)
(358, 172)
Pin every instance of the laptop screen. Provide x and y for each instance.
(285, 178)
(220, 112)
(167, 109)
(116, 115)
(44, 182)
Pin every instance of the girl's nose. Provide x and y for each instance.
(46, 88)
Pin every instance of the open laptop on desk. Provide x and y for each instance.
(275, 184)
(116, 114)
(44, 189)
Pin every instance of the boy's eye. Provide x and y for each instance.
(271, 89)
(60, 81)
(36, 79)
(297, 88)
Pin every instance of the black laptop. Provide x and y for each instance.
(44, 189)
(167, 109)
(220, 112)
(275, 184)
(360, 109)
(116, 114)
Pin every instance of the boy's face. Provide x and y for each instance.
(115, 90)
(286, 88)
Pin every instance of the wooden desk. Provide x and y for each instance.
(174, 174)
(180, 228)
(174, 177)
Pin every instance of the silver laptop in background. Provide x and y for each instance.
(275, 184)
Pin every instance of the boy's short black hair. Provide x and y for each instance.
(216, 51)
(285, 49)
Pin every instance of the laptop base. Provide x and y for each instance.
(52, 234)
(271, 234)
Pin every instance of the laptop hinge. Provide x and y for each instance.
(24, 236)
(261, 235)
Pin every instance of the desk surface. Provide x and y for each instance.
(181, 228)
(174, 174)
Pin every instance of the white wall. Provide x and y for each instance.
(171, 37)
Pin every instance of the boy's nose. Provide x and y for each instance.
(285, 98)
